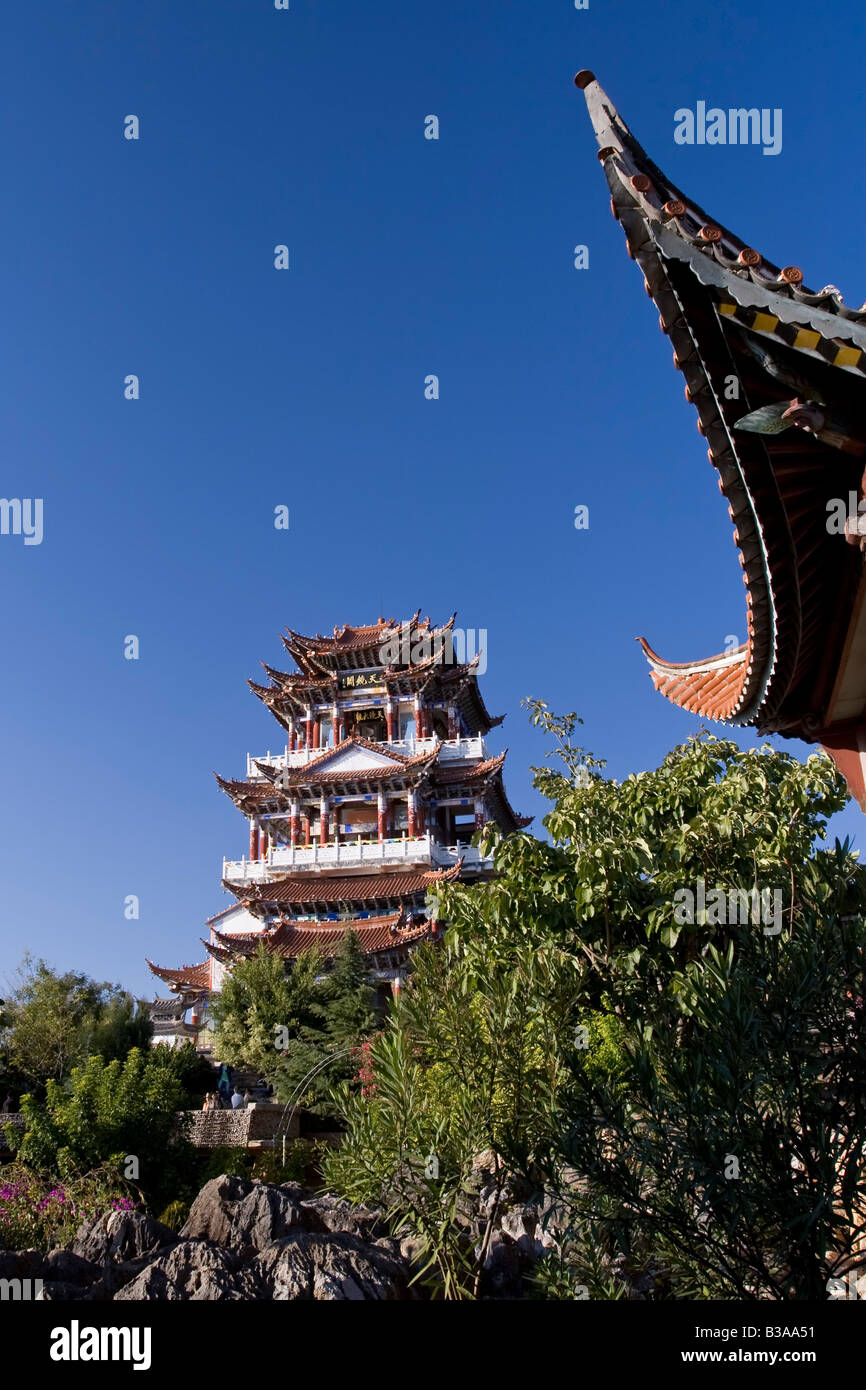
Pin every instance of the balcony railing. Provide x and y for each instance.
(451, 750)
(346, 854)
(422, 850)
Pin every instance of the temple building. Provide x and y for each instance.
(777, 374)
(383, 779)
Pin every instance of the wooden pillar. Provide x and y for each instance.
(254, 840)
(307, 831)
(389, 720)
(335, 719)
(410, 802)
(453, 727)
(323, 821)
(317, 729)
(382, 808)
(294, 819)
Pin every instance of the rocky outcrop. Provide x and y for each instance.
(121, 1235)
(255, 1240)
(330, 1267)
(243, 1240)
(194, 1270)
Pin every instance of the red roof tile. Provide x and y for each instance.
(193, 976)
(345, 888)
(289, 939)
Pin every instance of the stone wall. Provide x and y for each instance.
(238, 1128)
(234, 1129)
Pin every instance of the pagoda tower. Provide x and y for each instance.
(383, 779)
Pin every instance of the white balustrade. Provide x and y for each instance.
(345, 854)
(450, 750)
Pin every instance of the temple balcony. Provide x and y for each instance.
(422, 850)
(348, 854)
(451, 750)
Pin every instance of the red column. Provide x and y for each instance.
(309, 741)
(420, 820)
(323, 821)
(254, 840)
(410, 829)
(382, 809)
(307, 833)
(389, 721)
(264, 837)
(293, 823)
(316, 731)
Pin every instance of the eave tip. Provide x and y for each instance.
(583, 78)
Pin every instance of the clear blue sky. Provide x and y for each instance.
(305, 388)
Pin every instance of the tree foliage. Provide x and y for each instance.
(110, 1112)
(691, 1091)
(285, 1022)
(52, 1022)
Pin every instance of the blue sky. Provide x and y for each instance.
(306, 388)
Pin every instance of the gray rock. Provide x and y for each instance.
(246, 1216)
(196, 1271)
(330, 1213)
(66, 1267)
(334, 1267)
(59, 1291)
(211, 1215)
(121, 1235)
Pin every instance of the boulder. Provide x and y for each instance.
(211, 1215)
(196, 1271)
(330, 1213)
(264, 1216)
(121, 1235)
(68, 1268)
(59, 1291)
(22, 1264)
(310, 1266)
(246, 1216)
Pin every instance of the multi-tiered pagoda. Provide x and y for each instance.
(383, 780)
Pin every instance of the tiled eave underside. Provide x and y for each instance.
(349, 890)
(436, 682)
(776, 492)
(800, 582)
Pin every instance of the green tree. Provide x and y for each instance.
(342, 1016)
(317, 1015)
(110, 1112)
(53, 1021)
(262, 1004)
(638, 1046)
